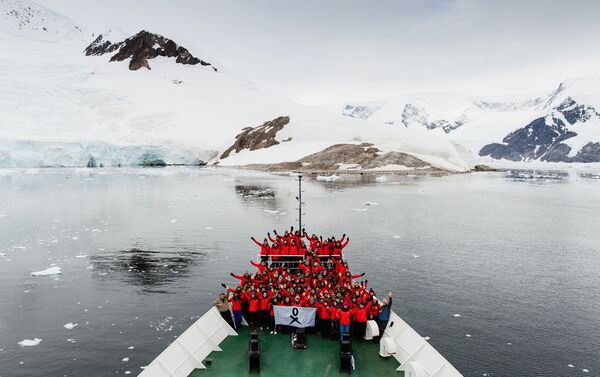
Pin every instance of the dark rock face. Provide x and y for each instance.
(158, 163)
(259, 137)
(483, 168)
(542, 138)
(101, 46)
(589, 153)
(92, 162)
(142, 47)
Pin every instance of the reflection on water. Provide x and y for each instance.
(255, 191)
(148, 269)
(537, 176)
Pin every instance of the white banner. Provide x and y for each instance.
(295, 316)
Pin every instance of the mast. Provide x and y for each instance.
(300, 203)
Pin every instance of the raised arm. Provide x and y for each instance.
(345, 243)
(256, 242)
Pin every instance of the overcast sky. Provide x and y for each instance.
(332, 51)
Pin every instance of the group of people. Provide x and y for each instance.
(321, 280)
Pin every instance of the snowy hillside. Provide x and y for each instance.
(477, 123)
(72, 102)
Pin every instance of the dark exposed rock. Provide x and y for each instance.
(158, 163)
(483, 168)
(142, 47)
(101, 46)
(542, 139)
(589, 153)
(92, 162)
(259, 137)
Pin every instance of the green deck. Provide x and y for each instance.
(279, 358)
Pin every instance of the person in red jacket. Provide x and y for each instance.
(265, 249)
(360, 319)
(345, 315)
(253, 307)
(264, 309)
(324, 314)
(261, 267)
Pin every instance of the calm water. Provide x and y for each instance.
(517, 255)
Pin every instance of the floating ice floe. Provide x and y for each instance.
(328, 178)
(127, 372)
(130, 347)
(81, 256)
(585, 370)
(269, 211)
(173, 221)
(456, 315)
(397, 237)
(70, 326)
(54, 270)
(125, 359)
(371, 204)
(29, 342)
(381, 178)
(426, 338)
(415, 256)
(571, 366)
(468, 335)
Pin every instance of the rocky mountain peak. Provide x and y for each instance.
(140, 48)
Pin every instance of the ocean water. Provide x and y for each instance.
(143, 252)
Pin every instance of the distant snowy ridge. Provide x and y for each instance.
(67, 105)
(480, 124)
(33, 21)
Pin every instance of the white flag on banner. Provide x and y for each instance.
(295, 316)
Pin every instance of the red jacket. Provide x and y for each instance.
(264, 250)
(360, 315)
(253, 303)
(260, 267)
(265, 303)
(345, 316)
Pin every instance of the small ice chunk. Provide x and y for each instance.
(571, 366)
(125, 359)
(173, 221)
(81, 256)
(468, 335)
(397, 237)
(130, 347)
(55, 270)
(415, 256)
(509, 344)
(381, 178)
(426, 338)
(70, 326)
(371, 204)
(269, 211)
(328, 178)
(127, 372)
(585, 370)
(456, 315)
(29, 342)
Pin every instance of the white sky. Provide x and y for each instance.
(333, 51)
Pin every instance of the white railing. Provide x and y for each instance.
(188, 351)
(417, 357)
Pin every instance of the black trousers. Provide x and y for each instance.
(227, 317)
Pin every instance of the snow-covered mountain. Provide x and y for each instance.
(560, 126)
(80, 98)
